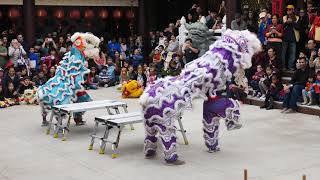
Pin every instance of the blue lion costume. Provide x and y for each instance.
(66, 86)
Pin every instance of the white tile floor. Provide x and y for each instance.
(272, 146)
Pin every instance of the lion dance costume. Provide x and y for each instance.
(66, 86)
(204, 77)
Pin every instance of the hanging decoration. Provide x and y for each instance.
(14, 13)
(117, 14)
(41, 13)
(89, 14)
(75, 14)
(59, 14)
(103, 14)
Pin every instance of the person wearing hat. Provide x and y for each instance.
(290, 38)
(262, 27)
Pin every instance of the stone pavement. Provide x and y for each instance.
(272, 146)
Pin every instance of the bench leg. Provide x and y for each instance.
(58, 126)
(115, 153)
(93, 134)
(50, 122)
(126, 111)
(183, 132)
(103, 140)
(65, 130)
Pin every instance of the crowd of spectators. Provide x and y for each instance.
(290, 44)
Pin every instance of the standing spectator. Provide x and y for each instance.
(191, 53)
(238, 23)
(290, 38)
(274, 34)
(3, 55)
(303, 31)
(47, 45)
(211, 18)
(16, 53)
(61, 46)
(262, 27)
(252, 22)
(294, 90)
(5, 42)
(22, 42)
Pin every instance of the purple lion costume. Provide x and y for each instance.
(204, 77)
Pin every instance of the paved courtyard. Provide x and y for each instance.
(272, 146)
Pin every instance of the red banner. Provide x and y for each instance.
(277, 7)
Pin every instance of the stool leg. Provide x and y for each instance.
(104, 140)
(65, 130)
(95, 129)
(50, 122)
(183, 131)
(126, 111)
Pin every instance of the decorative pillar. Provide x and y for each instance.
(29, 21)
(143, 28)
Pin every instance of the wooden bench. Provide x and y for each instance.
(69, 109)
(119, 121)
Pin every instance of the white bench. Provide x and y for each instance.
(69, 109)
(119, 121)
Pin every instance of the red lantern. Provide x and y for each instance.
(88, 14)
(103, 14)
(41, 13)
(14, 13)
(117, 14)
(75, 14)
(59, 14)
(130, 14)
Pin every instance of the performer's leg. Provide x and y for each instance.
(150, 141)
(44, 114)
(210, 127)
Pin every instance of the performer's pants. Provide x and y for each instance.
(168, 139)
(213, 110)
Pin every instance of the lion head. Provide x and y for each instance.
(86, 43)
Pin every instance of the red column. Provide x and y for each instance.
(29, 21)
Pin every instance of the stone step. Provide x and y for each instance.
(312, 110)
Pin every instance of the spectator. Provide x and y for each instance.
(5, 42)
(273, 60)
(262, 28)
(107, 75)
(211, 18)
(61, 46)
(113, 46)
(141, 77)
(265, 82)
(315, 62)
(311, 48)
(52, 72)
(3, 55)
(294, 90)
(47, 45)
(44, 68)
(256, 79)
(10, 77)
(252, 22)
(52, 59)
(290, 38)
(152, 77)
(34, 59)
(11, 94)
(273, 93)
(25, 84)
(137, 58)
(173, 44)
(238, 24)
(308, 92)
(22, 42)
(191, 53)
(238, 88)
(124, 77)
(274, 34)
(39, 79)
(16, 53)
(303, 23)
(92, 79)
(131, 73)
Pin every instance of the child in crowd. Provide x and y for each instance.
(52, 72)
(131, 72)
(23, 73)
(137, 58)
(152, 77)
(12, 95)
(34, 59)
(256, 79)
(124, 77)
(25, 84)
(141, 77)
(308, 91)
(273, 93)
(40, 79)
(92, 79)
(103, 77)
(315, 62)
(107, 75)
(265, 82)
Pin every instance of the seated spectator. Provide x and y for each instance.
(44, 69)
(311, 49)
(173, 44)
(23, 73)
(52, 72)
(191, 53)
(107, 75)
(25, 84)
(3, 55)
(131, 73)
(315, 62)
(113, 46)
(174, 68)
(52, 59)
(238, 88)
(238, 23)
(294, 90)
(137, 58)
(141, 77)
(274, 34)
(39, 79)
(273, 93)
(308, 92)
(10, 77)
(11, 94)
(152, 76)
(34, 59)
(256, 79)
(265, 82)
(124, 77)
(273, 60)
(92, 79)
